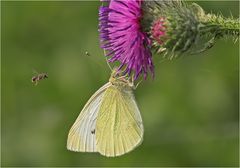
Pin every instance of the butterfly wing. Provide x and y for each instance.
(119, 127)
(81, 137)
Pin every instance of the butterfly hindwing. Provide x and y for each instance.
(119, 127)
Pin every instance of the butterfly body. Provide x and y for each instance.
(110, 123)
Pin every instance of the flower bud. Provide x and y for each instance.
(176, 27)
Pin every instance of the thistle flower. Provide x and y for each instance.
(130, 28)
(122, 36)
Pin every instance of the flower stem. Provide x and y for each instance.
(220, 26)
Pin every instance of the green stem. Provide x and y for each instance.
(220, 26)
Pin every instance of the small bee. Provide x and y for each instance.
(39, 77)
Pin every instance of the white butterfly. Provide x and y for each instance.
(110, 122)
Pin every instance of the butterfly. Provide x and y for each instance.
(110, 123)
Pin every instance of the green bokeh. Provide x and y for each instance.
(190, 109)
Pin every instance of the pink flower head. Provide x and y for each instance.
(159, 30)
(121, 35)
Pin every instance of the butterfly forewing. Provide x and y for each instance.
(81, 137)
(119, 127)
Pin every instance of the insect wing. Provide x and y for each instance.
(119, 127)
(81, 137)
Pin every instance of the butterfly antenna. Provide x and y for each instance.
(138, 83)
(107, 60)
(135, 86)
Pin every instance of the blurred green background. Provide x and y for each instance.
(190, 110)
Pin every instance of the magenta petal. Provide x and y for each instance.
(121, 34)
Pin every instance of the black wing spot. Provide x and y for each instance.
(93, 131)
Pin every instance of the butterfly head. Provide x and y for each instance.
(119, 79)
